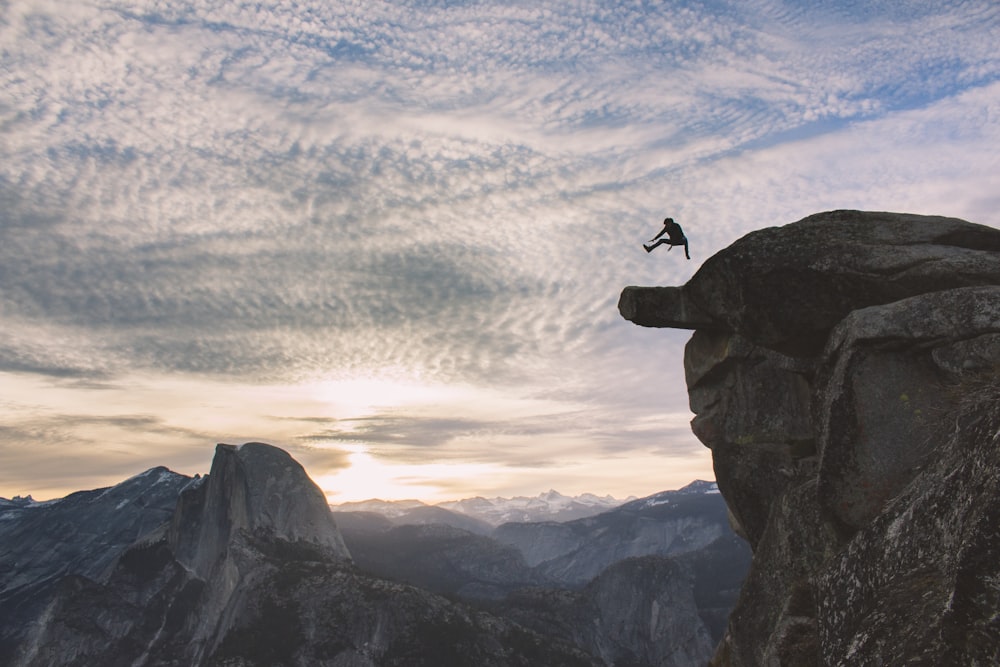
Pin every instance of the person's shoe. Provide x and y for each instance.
(646, 247)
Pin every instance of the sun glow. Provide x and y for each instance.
(368, 477)
(367, 392)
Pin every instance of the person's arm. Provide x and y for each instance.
(662, 232)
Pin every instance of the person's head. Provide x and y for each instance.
(667, 221)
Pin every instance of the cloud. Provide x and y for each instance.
(264, 194)
(62, 452)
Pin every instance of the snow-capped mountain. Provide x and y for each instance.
(548, 506)
(388, 508)
(586, 578)
(18, 502)
(696, 488)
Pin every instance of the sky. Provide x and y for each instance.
(390, 237)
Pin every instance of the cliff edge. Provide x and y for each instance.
(843, 371)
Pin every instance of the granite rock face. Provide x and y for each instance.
(843, 371)
(786, 287)
(254, 489)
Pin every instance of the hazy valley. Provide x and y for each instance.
(247, 564)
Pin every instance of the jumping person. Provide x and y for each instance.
(675, 236)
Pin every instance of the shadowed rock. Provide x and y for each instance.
(81, 535)
(786, 287)
(829, 381)
(663, 307)
(885, 390)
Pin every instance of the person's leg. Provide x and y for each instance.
(649, 247)
(686, 253)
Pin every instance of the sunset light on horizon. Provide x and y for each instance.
(390, 238)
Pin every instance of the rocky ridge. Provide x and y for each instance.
(82, 535)
(446, 557)
(843, 371)
(484, 513)
(648, 583)
(246, 568)
(574, 552)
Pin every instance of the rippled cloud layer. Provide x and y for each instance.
(217, 218)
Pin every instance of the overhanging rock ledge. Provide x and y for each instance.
(844, 372)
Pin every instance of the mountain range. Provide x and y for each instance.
(667, 566)
(548, 506)
(248, 566)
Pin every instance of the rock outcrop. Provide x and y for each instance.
(252, 489)
(843, 371)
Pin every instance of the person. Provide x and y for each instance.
(675, 236)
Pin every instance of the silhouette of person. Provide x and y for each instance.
(675, 236)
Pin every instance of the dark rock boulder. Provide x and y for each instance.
(833, 382)
(664, 307)
(883, 394)
(924, 572)
(786, 287)
(752, 408)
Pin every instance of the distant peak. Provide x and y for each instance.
(158, 474)
(18, 502)
(258, 489)
(700, 486)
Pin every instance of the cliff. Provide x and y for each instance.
(843, 371)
